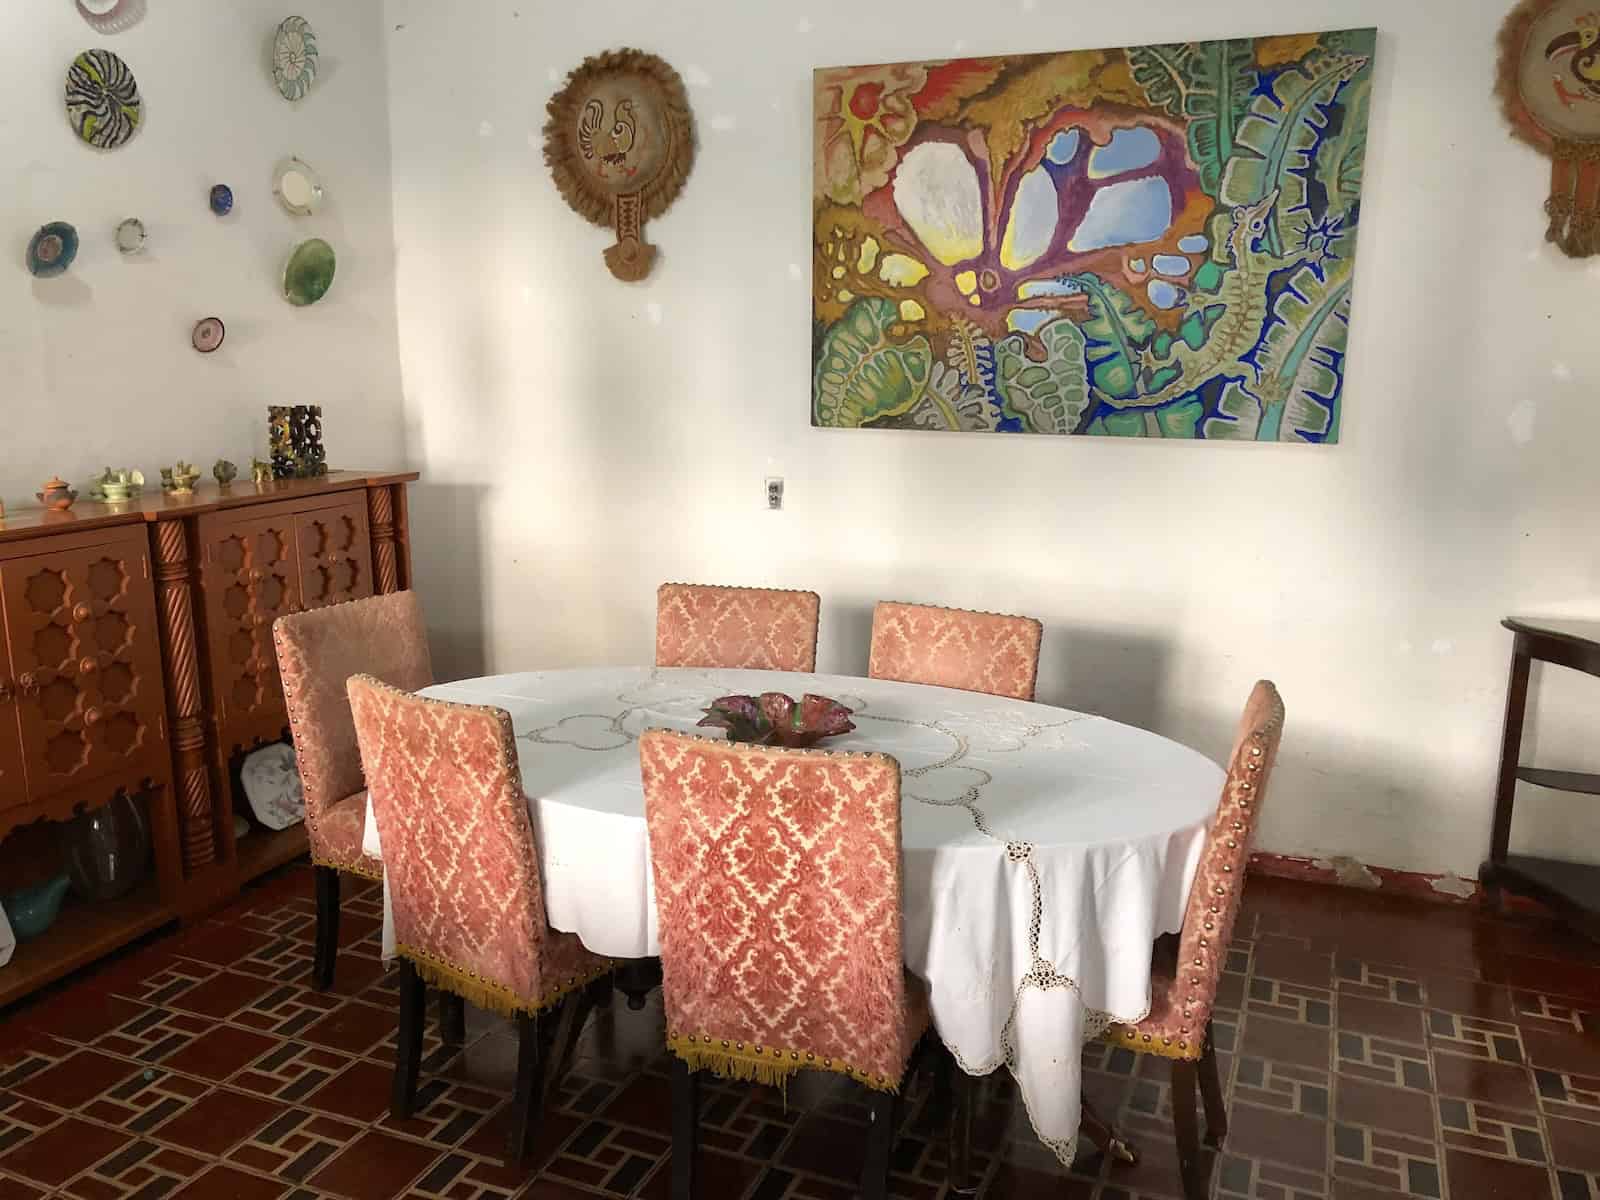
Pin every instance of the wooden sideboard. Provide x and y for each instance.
(136, 657)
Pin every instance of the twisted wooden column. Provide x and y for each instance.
(385, 548)
(174, 590)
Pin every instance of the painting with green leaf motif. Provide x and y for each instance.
(1149, 242)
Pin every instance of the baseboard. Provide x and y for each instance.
(1348, 872)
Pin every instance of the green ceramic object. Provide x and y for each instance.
(33, 910)
(309, 272)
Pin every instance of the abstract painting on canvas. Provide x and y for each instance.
(1156, 241)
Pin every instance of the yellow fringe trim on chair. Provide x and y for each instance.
(1129, 1036)
(486, 993)
(758, 1064)
(350, 868)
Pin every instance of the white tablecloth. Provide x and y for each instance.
(1044, 849)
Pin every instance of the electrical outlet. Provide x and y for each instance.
(774, 492)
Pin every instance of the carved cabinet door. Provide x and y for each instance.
(81, 625)
(335, 553)
(251, 576)
(13, 786)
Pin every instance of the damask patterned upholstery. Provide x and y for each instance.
(778, 890)
(463, 870)
(700, 625)
(954, 648)
(318, 651)
(1183, 990)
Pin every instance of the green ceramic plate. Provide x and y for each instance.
(309, 272)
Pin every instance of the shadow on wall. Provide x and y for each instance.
(1115, 673)
(447, 569)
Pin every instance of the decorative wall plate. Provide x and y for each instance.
(131, 236)
(1548, 82)
(294, 58)
(52, 249)
(619, 144)
(102, 99)
(111, 16)
(221, 199)
(308, 274)
(297, 187)
(208, 334)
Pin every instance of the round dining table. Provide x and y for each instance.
(1044, 849)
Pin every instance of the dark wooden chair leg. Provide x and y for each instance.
(327, 946)
(408, 1042)
(880, 1144)
(961, 1087)
(1211, 1094)
(1185, 1124)
(685, 1129)
(452, 1019)
(569, 1023)
(1112, 1144)
(636, 977)
(525, 1100)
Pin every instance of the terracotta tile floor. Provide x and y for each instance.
(1374, 1048)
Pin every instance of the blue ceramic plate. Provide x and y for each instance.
(52, 250)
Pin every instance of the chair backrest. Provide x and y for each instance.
(318, 651)
(1219, 880)
(459, 856)
(954, 648)
(702, 625)
(778, 891)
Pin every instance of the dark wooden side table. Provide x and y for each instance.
(1571, 888)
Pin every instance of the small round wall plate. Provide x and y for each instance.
(111, 16)
(297, 187)
(208, 334)
(52, 249)
(221, 199)
(294, 58)
(308, 274)
(131, 236)
(102, 99)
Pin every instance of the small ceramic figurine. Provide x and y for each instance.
(183, 476)
(260, 472)
(57, 494)
(166, 479)
(116, 486)
(222, 199)
(224, 472)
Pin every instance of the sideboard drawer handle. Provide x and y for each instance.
(88, 666)
(29, 683)
(82, 613)
(92, 717)
(5, 692)
(256, 576)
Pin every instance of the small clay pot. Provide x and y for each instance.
(57, 494)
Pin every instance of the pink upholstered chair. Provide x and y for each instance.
(1183, 986)
(317, 652)
(778, 887)
(699, 625)
(954, 648)
(464, 884)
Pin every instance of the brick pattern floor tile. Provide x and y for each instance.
(1371, 1048)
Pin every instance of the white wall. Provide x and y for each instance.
(583, 440)
(96, 366)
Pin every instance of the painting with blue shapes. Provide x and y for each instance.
(1156, 241)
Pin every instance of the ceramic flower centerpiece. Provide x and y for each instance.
(774, 719)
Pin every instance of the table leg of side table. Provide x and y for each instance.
(1510, 758)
